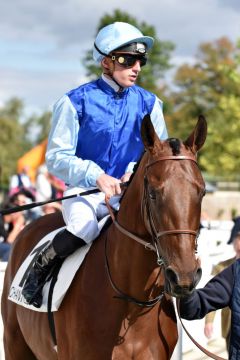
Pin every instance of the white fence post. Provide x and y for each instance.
(2, 273)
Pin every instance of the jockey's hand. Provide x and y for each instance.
(109, 185)
(126, 177)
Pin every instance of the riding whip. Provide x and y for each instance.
(41, 203)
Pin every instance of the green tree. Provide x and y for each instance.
(18, 135)
(13, 142)
(39, 125)
(159, 59)
(211, 87)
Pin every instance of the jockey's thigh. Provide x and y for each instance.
(80, 213)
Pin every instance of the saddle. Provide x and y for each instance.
(65, 275)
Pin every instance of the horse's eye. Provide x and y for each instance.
(152, 195)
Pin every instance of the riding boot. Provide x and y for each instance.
(63, 244)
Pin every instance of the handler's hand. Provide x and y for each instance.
(208, 330)
(109, 185)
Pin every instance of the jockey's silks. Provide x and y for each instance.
(110, 123)
(96, 130)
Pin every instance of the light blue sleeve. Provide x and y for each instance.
(158, 120)
(159, 126)
(62, 143)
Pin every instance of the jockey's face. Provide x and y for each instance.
(125, 76)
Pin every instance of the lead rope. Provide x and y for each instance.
(205, 351)
(141, 241)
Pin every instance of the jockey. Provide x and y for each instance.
(95, 141)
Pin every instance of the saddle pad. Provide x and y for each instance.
(66, 274)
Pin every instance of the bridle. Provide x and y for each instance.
(155, 234)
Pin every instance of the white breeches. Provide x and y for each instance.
(82, 213)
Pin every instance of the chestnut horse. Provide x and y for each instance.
(119, 304)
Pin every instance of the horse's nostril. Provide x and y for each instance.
(198, 276)
(171, 276)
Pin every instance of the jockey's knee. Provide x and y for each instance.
(88, 232)
(65, 243)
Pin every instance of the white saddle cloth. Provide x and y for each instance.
(66, 274)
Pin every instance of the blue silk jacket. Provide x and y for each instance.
(96, 130)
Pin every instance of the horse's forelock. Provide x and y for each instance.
(175, 145)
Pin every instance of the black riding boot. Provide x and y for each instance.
(63, 244)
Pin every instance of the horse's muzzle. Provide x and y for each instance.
(179, 285)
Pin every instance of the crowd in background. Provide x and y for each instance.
(23, 191)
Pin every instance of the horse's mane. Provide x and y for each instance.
(133, 173)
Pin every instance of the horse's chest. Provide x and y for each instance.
(128, 353)
(137, 348)
(137, 341)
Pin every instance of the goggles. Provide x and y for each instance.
(129, 60)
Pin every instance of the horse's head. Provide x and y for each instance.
(173, 192)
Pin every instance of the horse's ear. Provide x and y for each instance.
(197, 138)
(148, 133)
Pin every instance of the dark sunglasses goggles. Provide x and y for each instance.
(129, 60)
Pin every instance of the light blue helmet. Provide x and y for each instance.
(116, 35)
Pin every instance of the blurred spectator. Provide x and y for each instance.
(11, 225)
(23, 197)
(58, 186)
(235, 229)
(21, 181)
(47, 185)
(43, 186)
(225, 312)
(4, 246)
(52, 208)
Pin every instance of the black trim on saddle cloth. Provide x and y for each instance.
(49, 304)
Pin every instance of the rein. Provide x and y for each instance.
(121, 295)
(205, 351)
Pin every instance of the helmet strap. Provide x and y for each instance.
(109, 72)
(120, 86)
(112, 78)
